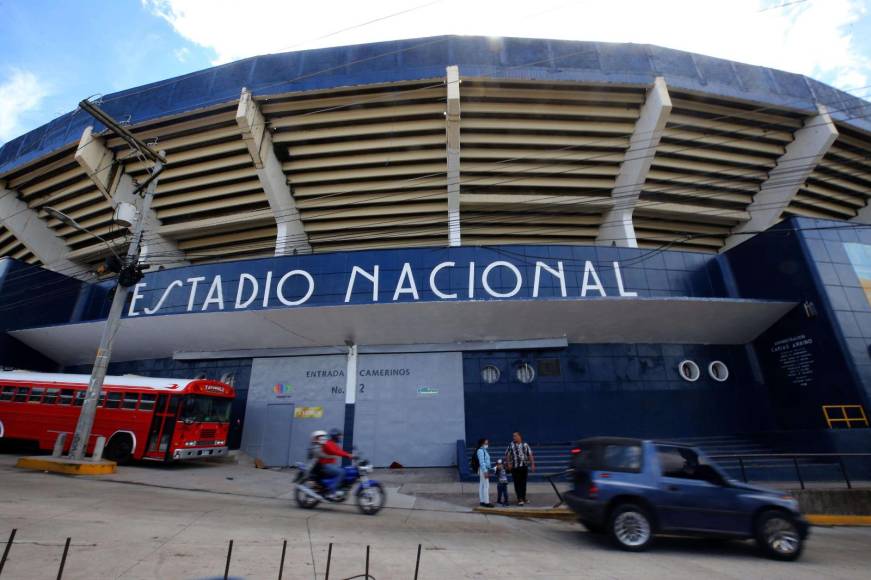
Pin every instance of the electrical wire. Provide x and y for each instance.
(572, 169)
(658, 190)
(502, 249)
(655, 189)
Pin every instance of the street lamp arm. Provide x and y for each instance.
(65, 219)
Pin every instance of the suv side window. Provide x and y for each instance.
(685, 463)
(621, 458)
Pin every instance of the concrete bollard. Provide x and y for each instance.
(98, 449)
(59, 445)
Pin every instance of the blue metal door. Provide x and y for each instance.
(276, 435)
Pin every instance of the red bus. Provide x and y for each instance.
(140, 417)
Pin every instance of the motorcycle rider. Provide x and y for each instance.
(316, 452)
(330, 469)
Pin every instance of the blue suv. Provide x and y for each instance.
(633, 489)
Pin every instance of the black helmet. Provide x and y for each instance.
(335, 434)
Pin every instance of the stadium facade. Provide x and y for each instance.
(441, 239)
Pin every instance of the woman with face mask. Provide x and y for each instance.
(484, 469)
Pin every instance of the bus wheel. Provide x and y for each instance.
(119, 449)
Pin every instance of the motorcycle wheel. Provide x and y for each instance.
(304, 500)
(370, 500)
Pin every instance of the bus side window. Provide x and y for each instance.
(147, 402)
(173, 405)
(36, 394)
(51, 396)
(6, 393)
(161, 403)
(66, 397)
(102, 400)
(113, 401)
(130, 400)
(80, 398)
(21, 394)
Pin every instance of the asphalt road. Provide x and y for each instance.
(135, 530)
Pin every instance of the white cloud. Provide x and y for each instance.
(20, 93)
(811, 38)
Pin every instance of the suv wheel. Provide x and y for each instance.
(630, 527)
(777, 536)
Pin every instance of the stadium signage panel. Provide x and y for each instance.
(449, 280)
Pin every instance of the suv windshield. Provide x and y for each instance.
(203, 409)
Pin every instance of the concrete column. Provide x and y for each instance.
(99, 163)
(351, 376)
(617, 226)
(291, 238)
(33, 232)
(452, 130)
(809, 145)
(350, 397)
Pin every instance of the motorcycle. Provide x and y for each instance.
(312, 490)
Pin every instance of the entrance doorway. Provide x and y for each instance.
(277, 435)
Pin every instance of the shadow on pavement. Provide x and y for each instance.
(675, 545)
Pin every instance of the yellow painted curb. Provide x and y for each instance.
(67, 466)
(519, 512)
(838, 520)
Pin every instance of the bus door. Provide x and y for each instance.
(162, 427)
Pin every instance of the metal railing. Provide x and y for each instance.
(827, 459)
(550, 477)
(859, 417)
(226, 575)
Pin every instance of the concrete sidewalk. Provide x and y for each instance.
(415, 488)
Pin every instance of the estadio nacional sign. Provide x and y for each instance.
(253, 287)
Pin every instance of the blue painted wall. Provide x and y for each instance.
(848, 307)
(31, 296)
(794, 262)
(612, 389)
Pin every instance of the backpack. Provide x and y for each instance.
(474, 464)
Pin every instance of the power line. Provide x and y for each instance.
(572, 169)
(501, 249)
(472, 180)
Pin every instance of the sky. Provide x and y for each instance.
(55, 53)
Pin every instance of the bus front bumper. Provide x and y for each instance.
(199, 453)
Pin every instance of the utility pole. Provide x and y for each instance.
(130, 273)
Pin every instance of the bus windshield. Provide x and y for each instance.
(205, 409)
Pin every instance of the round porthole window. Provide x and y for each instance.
(490, 374)
(525, 373)
(689, 371)
(718, 371)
